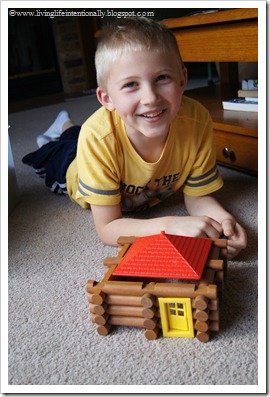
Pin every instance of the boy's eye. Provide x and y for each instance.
(131, 84)
(163, 77)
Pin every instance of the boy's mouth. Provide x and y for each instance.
(152, 115)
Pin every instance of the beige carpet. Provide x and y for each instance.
(53, 251)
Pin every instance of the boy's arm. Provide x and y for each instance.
(208, 219)
(210, 207)
(110, 225)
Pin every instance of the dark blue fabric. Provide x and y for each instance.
(53, 159)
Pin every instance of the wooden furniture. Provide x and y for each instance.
(229, 37)
(75, 47)
(236, 133)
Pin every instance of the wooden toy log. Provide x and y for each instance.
(208, 277)
(170, 289)
(163, 290)
(96, 298)
(214, 252)
(132, 311)
(201, 315)
(126, 288)
(130, 239)
(89, 298)
(214, 315)
(126, 240)
(123, 249)
(214, 326)
(219, 276)
(100, 320)
(200, 302)
(90, 286)
(151, 334)
(123, 300)
(203, 336)
(109, 261)
(132, 322)
(103, 330)
(209, 291)
(220, 242)
(108, 274)
(201, 326)
(216, 264)
(178, 290)
(148, 312)
(157, 313)
(156, 303)
(98, 309)
(148, 300)
(213, 304)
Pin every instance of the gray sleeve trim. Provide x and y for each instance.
(96, 191)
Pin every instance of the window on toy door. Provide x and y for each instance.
(175, 309)
(172, 309)
(180, 312)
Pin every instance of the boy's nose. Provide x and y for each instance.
(149, 95)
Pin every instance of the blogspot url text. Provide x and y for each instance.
(80, 13)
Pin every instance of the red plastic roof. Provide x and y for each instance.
(165, 256)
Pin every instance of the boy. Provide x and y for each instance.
(144, 143)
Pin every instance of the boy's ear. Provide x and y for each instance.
(104, 99)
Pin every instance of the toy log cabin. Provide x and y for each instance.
(161, 282)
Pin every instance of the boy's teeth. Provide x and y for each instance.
(152, 114)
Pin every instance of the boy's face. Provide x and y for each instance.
(146, 89)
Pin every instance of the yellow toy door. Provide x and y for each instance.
(176, 317)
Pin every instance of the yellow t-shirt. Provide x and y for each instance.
(107, 170)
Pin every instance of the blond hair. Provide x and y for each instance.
(131, 34)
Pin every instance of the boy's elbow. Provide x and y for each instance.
(108, 241)
(107, 238)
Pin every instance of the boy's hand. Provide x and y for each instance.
(194, 226)
(237, 237)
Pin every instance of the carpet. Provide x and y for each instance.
(54, 250)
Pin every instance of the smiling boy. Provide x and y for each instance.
(147, 141)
